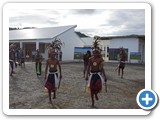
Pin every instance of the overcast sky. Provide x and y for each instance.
(102, 22)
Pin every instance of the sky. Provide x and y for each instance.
(101, 22)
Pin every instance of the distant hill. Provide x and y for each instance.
(13, 28)
(21, 28)
(81, 34)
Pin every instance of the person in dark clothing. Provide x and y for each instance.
(121, 64)
(38, 59)
(12, 58)
(86, 60)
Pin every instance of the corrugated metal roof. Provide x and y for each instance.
(38, 33)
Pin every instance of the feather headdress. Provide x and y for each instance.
(96, 44)
(122, 54)
(56, 44)
(122, 51)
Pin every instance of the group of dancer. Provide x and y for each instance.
(94, 72)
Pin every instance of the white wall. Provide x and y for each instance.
(131, 43)
(88, 41)
(70, 40)
(142, 50)
(105, 43)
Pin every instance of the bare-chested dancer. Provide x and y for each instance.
(53, 79)
(95, 71)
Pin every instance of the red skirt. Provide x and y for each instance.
(50, 84)
(95, 84)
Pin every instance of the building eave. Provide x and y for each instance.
(127, 36)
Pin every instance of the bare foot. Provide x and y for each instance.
(92, 106)
(96, 97)
(13, 72)
(54, 97)
(50, 102)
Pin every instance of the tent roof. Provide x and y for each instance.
(38, 33)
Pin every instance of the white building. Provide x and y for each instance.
(38, 38)
(134, 46)
(88, 41)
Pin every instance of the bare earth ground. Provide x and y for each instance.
(26, 91)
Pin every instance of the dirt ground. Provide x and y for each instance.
(26, 91)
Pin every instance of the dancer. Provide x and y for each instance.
(38, 59)
(12, 58)
(121, 64)
(86, 60)
(95, 70)
(22, 57)
(53, 79)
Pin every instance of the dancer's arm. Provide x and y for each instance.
(60, 70)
